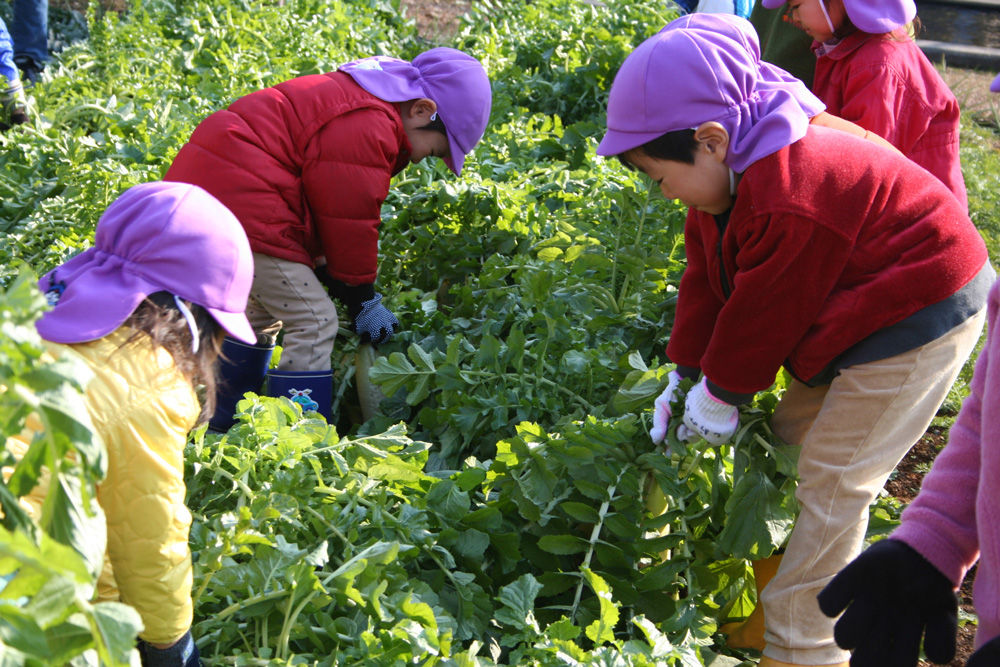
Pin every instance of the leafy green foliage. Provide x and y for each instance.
(345, 550)
(981, 147)
(559, 58)
(553, 286)
(507, 507)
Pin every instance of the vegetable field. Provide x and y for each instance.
(507, 506)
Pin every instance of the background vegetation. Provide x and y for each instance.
(507, 507)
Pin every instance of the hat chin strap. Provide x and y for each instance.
(826, 15)
(189, 317)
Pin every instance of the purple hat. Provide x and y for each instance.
(707, 67)
(454, 80)
(995, 86)
(155, 237)
(874, 16)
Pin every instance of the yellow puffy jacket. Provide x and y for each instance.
(142, 409)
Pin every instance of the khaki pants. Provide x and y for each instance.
(287, 295)
(853, 432)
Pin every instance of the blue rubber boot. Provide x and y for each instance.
(242, 368)
(313, 390)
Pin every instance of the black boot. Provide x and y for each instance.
(242, 368)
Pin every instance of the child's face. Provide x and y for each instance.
(427, 143)
(808, 15)
(703, 185)
(424, 143)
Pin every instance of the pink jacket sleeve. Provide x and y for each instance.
(941, 523)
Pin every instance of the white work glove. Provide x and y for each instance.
(661, 408)
(707, 417)
(13, 105)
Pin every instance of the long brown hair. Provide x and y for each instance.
(159, 318)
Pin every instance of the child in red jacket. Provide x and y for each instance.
(305, 167)
(869, 70)
(811, 249)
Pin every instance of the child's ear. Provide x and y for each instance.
(714, 138)
(423, 107)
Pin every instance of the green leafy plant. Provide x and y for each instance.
(507, 507)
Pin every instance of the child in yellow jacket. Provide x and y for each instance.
(146, 309)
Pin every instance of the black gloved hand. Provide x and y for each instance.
(988, 655)
(896, 597)
(182, 654)
(369, 318)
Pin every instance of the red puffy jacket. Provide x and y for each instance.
(304, 166)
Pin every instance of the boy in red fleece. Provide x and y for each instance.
(305, 167)
(808, 248)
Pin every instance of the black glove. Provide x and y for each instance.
(895, 597)
(988, 655)
(182, 654)
(369, 318)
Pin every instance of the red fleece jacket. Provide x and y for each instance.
(305, 167)
(819, 253)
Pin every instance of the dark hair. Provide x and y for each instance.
(159, 318)
(436, 125)
(678, 146)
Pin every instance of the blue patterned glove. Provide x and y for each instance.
(369, 318)
(182, 654)
(375, 324)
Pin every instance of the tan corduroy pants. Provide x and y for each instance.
(853, 433)
(287, 295)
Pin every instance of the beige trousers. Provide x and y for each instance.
(853, 432)
(287, 295)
